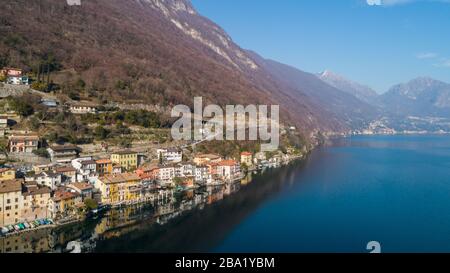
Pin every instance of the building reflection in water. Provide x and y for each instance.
(190, 221)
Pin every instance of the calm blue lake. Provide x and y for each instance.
(390, 189)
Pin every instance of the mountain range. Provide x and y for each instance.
(422, 104)
(163, 52)
(420, 97)
(362, 92)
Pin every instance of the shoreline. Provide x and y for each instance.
(337, 136)
(53, 226)
(401, 134)
(84, 218)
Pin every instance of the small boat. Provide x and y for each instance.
(5, 230)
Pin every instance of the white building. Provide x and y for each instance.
(228, 170)
(85, 107)
(16, 80)
(261, 156)
(48, 179)
(171, 155)
(166, 174)
(86, 169)
(183, 170)
(202, 174)
(3, 122)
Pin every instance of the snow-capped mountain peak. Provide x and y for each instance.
(360, 91)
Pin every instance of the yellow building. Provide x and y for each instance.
(119, 188)
(64, 203)
(7, 174)
(203, 159)
(10, 201)
(128, 160)
(104, 166)
(247, 159)
(38, 169)
(35, 200)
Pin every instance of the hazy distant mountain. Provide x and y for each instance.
(360, 91)
(422, 104)
(419, 97)
(343, 106)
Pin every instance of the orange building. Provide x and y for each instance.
(23, 143)
(104, 166)
(149, 171)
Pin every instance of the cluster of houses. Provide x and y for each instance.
(14, 76)
(59, 190)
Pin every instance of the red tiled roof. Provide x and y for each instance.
(82, 186)
(149, 167)
(146, 176)
(119, 178)
(10, 186)
(64, 195)
(34, 190)
(227, 163)
(104, 161)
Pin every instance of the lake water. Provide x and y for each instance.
(390, 189)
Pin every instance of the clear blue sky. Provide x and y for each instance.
(379, 45)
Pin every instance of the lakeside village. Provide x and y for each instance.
(75, 184)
